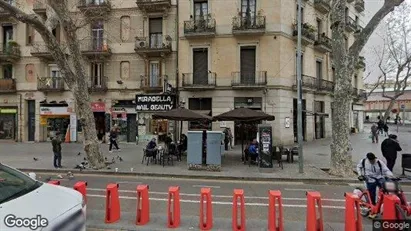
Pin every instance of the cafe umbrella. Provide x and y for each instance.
(243, 115)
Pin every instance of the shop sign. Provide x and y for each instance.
(98, 107)
(43, 120)
(155, 102)
(128, 110)
(54, 111)
(8, 111)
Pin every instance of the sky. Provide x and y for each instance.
(375, 41)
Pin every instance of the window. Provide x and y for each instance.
(248, 64)
(319, 27)
(355, 81)
(7, 34)
(357, 20)
(346, 43)
(95, 2)
(7, 71)
(97, 73)
(156, 32)
(319, 69)
(333, 73)
(200, 66)
(56, 33)
(29, 35)
(97, 31)
(55, 77)
(154, 74)
(347, 13)
(200, 10)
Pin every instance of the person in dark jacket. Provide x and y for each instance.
(389, 149)
(380, 125)
(113, 140)
(56, 143)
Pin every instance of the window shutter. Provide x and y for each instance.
(156, 25)
(200, 61)
(248, 70)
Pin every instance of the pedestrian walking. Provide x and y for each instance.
(226, 139)
(113, 140)
(374, 133)
(385, 129)
(380, 125)
(389, 149)
(56, 144)
(230, 136)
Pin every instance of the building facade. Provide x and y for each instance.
(243, 54)
(129, 48)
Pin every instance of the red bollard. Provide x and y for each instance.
(314, 223)
(173, 207)
(205, 201)
(143, 205)
(353, 218)
(112, 203)
(55, 182)
(81, 187)
(238, 194)
(274, 223)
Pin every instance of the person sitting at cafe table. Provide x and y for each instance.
(253, 150)
(151, 148)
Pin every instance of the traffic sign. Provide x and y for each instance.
(402, 106)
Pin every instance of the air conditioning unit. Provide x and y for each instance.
(141, 44)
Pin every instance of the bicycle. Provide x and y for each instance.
(390, 187)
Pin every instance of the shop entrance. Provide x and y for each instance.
(304, 120)
(7, 126)
(57, 124)
(100, 120)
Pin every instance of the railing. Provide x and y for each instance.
(10, 49)
(307, 31)
(308, 82)
(95, 45)
(258, 78)
(98, 83)
(50, 83)
(39, 48)
(241, 23)
(326, 85)
(322, 5)
(7, 85)
(323, 40)
(95, 3)
(207, 79)
(351, 23)
(202, 25)
(148, 2)
(153, 81)
(155, 41)
(323, 2)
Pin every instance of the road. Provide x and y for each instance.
(256, 198)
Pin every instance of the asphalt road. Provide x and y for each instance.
(256, 199)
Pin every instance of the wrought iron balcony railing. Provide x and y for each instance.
(323, 43)
(307, 33)
(10, 50)
(325, 85)
(203, 26)
(98, 83)
(153, 5)
(249, 23)
(7, 85)
(50, 84)
(199, 79)
(350, 24)
(324, 6)
(95, 46)
(251, 79)
(153, 82)
(98, 6)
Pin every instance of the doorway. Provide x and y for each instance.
(304, 120)
(31, 109)
(200, 66)
(131, 127)
(248, 64)
(100, 119)
(319, 121)
(155, 74)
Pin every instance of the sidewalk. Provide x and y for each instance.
(316, 157)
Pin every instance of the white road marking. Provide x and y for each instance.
(223, 203)
(298, 189)
(205, 186)
(216, 196)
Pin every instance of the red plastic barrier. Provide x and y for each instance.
(173, 207)
(55, 182)
(206, 220)
(112, 203)
(314, 202)
(275, 223)
(389, 212)
(238, 194)
(143, 205)
(353, 218)
(81, 187)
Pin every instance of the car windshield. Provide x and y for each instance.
(14, 184)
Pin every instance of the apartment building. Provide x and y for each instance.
(242, 53)
(129, 48)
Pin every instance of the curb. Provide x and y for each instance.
(211, 177)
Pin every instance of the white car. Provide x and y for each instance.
(28, 204)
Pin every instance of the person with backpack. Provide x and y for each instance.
(373, 172)
(389, 149)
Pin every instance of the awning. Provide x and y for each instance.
(202, 112)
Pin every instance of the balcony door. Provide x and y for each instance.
(55, 77)
(200, 10)
(154, 74)
(97, 74)
(319, 71)
(156, 32)
(247, 64)
(7, 36)
(7, 71)
(248, 12)
(200, 66)
(97, 31)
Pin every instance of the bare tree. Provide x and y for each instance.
(345, 62)
(395, 63)
(70, 65)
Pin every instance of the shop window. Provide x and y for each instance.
(158, 127)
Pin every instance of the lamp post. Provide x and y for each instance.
(299, 93)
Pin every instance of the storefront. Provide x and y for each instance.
(99, 112)
(125, 118)
(53, 119)
(148, 128)
(8, 123)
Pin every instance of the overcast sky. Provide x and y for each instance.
(375, 41)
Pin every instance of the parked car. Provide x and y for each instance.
(28, 204)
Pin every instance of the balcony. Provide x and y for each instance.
(5, 15)
(152, 83)
(153, 6)
(199, 28)
(98, 84)
(153, 46)
(249, 80)
(323, 6)
(325, 86)
(50, 84)
(307, 34)
(350, 25)
(7, 85)
(249, 25)
(307, 83)
(39, 7)
(41, 51)
(323, 44)
(361, 63)
(10, 52)
(200, 81)
(95, 48)
(94, 8)
(359, 5)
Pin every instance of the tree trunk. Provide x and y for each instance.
(388, 110)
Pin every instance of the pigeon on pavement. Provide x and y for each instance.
(35, 159)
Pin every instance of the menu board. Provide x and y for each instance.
(265, 146)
